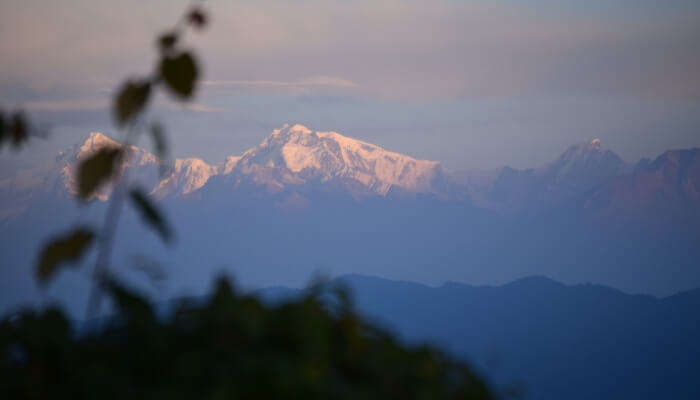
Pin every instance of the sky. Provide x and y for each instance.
(474, 84)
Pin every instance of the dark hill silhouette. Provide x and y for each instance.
(560, 341)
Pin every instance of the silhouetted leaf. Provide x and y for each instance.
(66, 248)
(130, 100)
(167, 41)
(2, 128)
(151, 214)
(179, 73)
(197, 18)
(19, 132)
(135, 308)
(96, 170)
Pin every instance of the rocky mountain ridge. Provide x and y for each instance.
(290, 156)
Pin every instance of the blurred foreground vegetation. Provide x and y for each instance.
(230, 346)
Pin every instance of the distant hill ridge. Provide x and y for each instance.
(547, 336)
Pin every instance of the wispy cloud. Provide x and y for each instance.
(67, 105)
(91, 104)
(203, 108)
(309, 82)
(399, 49)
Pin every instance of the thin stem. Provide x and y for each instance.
(106, 238)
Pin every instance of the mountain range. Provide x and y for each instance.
(288, 159)
(304, 201)
(293, 162)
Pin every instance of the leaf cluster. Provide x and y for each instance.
(230, 346)
(177, 69)
(178, 72)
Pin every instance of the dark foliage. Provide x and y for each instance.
(98, 169)
(179, 72)
(233, 346)
(150, 214)
(63, 249)
(14, 129)
(197, 18)
(167, 41)
(131, 99)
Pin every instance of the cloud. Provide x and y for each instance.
(67, 105)
(203, 108)
(309, 82)
(100, 104)
(420, 49)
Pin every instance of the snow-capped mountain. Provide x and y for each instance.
(294, 163)
(295, 156)
(186, 176)
(290, 157)
(140, 163)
